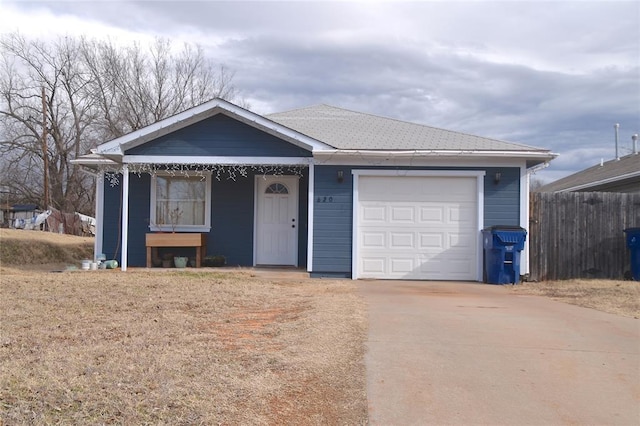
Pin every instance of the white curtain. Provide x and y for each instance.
(180, 200)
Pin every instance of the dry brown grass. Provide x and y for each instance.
(42, 250)
(192, 347)
(616, 297)
(179, 348)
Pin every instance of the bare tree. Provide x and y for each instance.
(95, 91)
(535, 184)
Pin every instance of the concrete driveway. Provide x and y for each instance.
(471, 354)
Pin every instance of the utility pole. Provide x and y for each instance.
(45, 154)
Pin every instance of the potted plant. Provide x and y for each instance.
(167, 260)
(180, 261)
(215, 261)
(174, 216)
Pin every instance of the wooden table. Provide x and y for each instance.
(196, 240)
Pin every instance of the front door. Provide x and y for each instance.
(276, 220)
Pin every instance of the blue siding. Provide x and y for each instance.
(111, 220)
(219, 136)
(333, 211)
(232, 209)
(232, 220)
(139, 198)
(502, 200)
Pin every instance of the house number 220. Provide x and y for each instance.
(324, 200)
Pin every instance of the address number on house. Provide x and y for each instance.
(324, 200)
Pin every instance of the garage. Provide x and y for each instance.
(417, 226)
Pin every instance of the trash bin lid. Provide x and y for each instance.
(505, 228)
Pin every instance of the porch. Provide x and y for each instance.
(252, 217)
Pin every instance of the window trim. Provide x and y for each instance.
(180, 228)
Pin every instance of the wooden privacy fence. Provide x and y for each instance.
(580, 234)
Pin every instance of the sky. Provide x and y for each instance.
(552, 74)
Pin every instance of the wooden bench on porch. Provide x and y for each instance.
(196, 240)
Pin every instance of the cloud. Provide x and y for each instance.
(551, 74)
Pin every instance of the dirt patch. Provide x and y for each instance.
(143, 347)
(616, 297)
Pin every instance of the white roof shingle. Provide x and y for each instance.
(350, 130)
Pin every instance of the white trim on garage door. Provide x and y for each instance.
(417, 224)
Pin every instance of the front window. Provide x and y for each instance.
(180, 203)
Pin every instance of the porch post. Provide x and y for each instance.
(97, 244)
(310, 217)
(125, 216)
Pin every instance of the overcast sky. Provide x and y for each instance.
(553, 74)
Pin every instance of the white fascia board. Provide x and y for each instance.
(416, 155)
(161, 159)
(601, 182)
(199, 113)
(93, 161)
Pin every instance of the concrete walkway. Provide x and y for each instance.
(472, 354)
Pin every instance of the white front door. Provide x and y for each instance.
(276, 228)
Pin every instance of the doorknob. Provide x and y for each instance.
(293, 226)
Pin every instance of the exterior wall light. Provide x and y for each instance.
(340, 176)
(497, 177)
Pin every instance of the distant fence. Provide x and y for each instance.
(580, 234)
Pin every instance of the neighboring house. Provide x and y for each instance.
(343, 193)
(19, 215)
(617, 175)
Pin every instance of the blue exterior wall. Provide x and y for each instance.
(502, 200)
(139, 199)
(332, 219)
(232, 210)
(111, 220)
(219, 136)
(333, 211)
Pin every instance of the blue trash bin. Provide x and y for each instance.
(502, 247)
(633, 242)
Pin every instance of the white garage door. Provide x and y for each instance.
(417, 227)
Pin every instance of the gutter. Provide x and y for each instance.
(437, 152)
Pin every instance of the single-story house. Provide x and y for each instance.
(617, 175)
(342, 193)
(18, 215)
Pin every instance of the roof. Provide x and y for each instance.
(24, 207)
(350, 130)
(600, 177)
(326, 130)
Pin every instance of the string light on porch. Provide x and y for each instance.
(219, 171)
